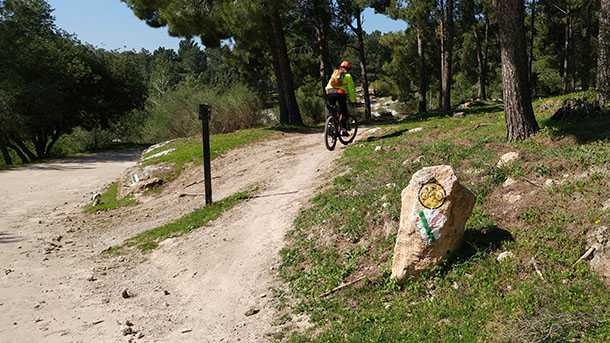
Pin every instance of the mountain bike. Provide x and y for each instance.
(332, 128)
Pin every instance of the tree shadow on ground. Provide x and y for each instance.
(481, 109)
(487, 239)
(298, 129)
(585, 130)
(390, 134)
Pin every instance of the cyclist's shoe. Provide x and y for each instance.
(344, 133)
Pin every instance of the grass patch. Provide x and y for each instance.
(188, 150)
(149, 240)
(350, 229)
(110, 200)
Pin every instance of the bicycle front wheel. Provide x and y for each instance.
(330, 133)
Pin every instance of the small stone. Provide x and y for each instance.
(264, 295)
(140, 335)
(512, 197)
(128, 331)
(166, 292)
(252, 311)
(458, 115)
(606, 205)
(128, 323)
(106, 301)
(91, 278)
(509, 182)
(186, 331)
(126, 294)
(507, 159)
(378, 148)
(549, 183)
(504, 255)
(417, 129)
(455, 285)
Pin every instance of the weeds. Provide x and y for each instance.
(109, 200)
(150, 239)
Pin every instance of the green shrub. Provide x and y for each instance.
(174, 114)
(310, 101)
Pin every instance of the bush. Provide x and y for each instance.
(81, 140)
(174, 114)
(311, 102)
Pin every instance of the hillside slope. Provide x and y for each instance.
(542, 209)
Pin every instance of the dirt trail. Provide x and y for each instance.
(196, 288)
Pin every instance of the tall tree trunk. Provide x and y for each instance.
(23, 157)
(532, 37)
(322, 26)
(423, 78)
(323, 57)
(6, 155)
(54, 138)
(587, 61)
(603, 62)
(481, 50)
(283, 62)
(284, 117)
(447, 55)
(439, 57)
(40, 144)
(567, 54)
(363, 66)
(519, 114)
(23, 148)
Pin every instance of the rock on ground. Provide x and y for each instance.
(507, 159)
(138, 179)
(600, 263)
(435, 208)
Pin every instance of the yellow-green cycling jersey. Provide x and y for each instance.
(346, 87)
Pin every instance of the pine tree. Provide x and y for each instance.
(519, 114)
(603, 64)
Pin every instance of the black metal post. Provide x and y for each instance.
(204, 115)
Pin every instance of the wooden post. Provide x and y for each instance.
(204, 115)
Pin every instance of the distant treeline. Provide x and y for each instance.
(267, 60)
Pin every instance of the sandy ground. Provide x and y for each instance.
(55, 286)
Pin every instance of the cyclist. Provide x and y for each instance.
(340, 89)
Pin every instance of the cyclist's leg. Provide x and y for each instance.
(331, 99)
(343, 110)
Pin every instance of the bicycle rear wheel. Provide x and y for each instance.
(330, 133)
(352, 130)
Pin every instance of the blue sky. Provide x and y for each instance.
(110, 24)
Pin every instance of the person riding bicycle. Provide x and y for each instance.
(339, 89)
